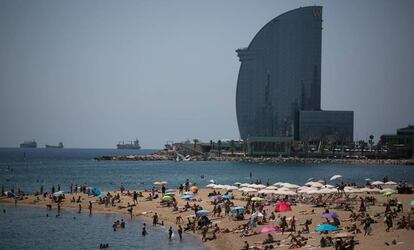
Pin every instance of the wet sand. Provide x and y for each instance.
(146, 209)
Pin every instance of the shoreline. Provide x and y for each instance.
(249, 159)
(145, 209)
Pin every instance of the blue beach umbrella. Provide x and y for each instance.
(237, 210)
(227, 196)
(202, 212)
(102, 196)
(325, 227)
(187, 197)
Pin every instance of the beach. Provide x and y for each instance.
(302, 211)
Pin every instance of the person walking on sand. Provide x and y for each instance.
(170, 231)
(90, 208)
(367, 225)
(180, 232)
(388, 221)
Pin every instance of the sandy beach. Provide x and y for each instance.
(229, 238)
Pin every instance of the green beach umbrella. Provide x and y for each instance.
(257, 199)
(388, 193)
(167, 198)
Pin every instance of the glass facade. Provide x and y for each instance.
(326, 125)
(280, 74)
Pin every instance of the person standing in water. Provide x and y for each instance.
(80, 208)
(180, 232)
(170, 231)
(144, 230)
(90, 208)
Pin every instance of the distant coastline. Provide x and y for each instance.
(161, 156)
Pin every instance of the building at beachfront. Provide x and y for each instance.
(279, 83)
(401, 144)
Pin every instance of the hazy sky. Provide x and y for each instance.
(91, 73)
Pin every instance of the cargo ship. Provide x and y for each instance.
(28, 144)
(131, 145)
(60, 145)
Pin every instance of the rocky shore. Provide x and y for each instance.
(162, 156)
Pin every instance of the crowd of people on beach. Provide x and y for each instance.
(254, 213)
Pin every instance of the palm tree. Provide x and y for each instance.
(219, 147)
(371, 142)
(232, 147)
(211, 145)
(195, 143)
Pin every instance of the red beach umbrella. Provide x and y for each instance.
(282, 207)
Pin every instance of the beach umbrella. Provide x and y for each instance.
(237, 209)
(310, 179)
(290, 186)
(325, 227)
(211, 185)
(58, 193)
(283, 207)
(167, 198)
(187, 197)
(228, 187)
(268, 229)
(260, 186)
(329, 215)
(244, 185)
(328, 186)
(271, 188)
(164, 183)
(102, 196)
(412, 203)
(377, 183)
(387, 190)
(322, 181)
(390, 183)
(237, 183)
(389, 193)
(247, 190)
(227, 196)
(257, 214)
(194, 188)
(257, 199)
(278, 184)
(216, 197)
(266, 191)
(335, 177)
(285, 192)
(327, 191)
(212, 181)
(202, 212)
(317, 185)
(158, 183)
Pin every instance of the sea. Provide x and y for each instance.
(28, 169)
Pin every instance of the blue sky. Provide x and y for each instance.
(92, 73)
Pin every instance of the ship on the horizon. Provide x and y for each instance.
(28, 144)
(131, 145)
(60, 145)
